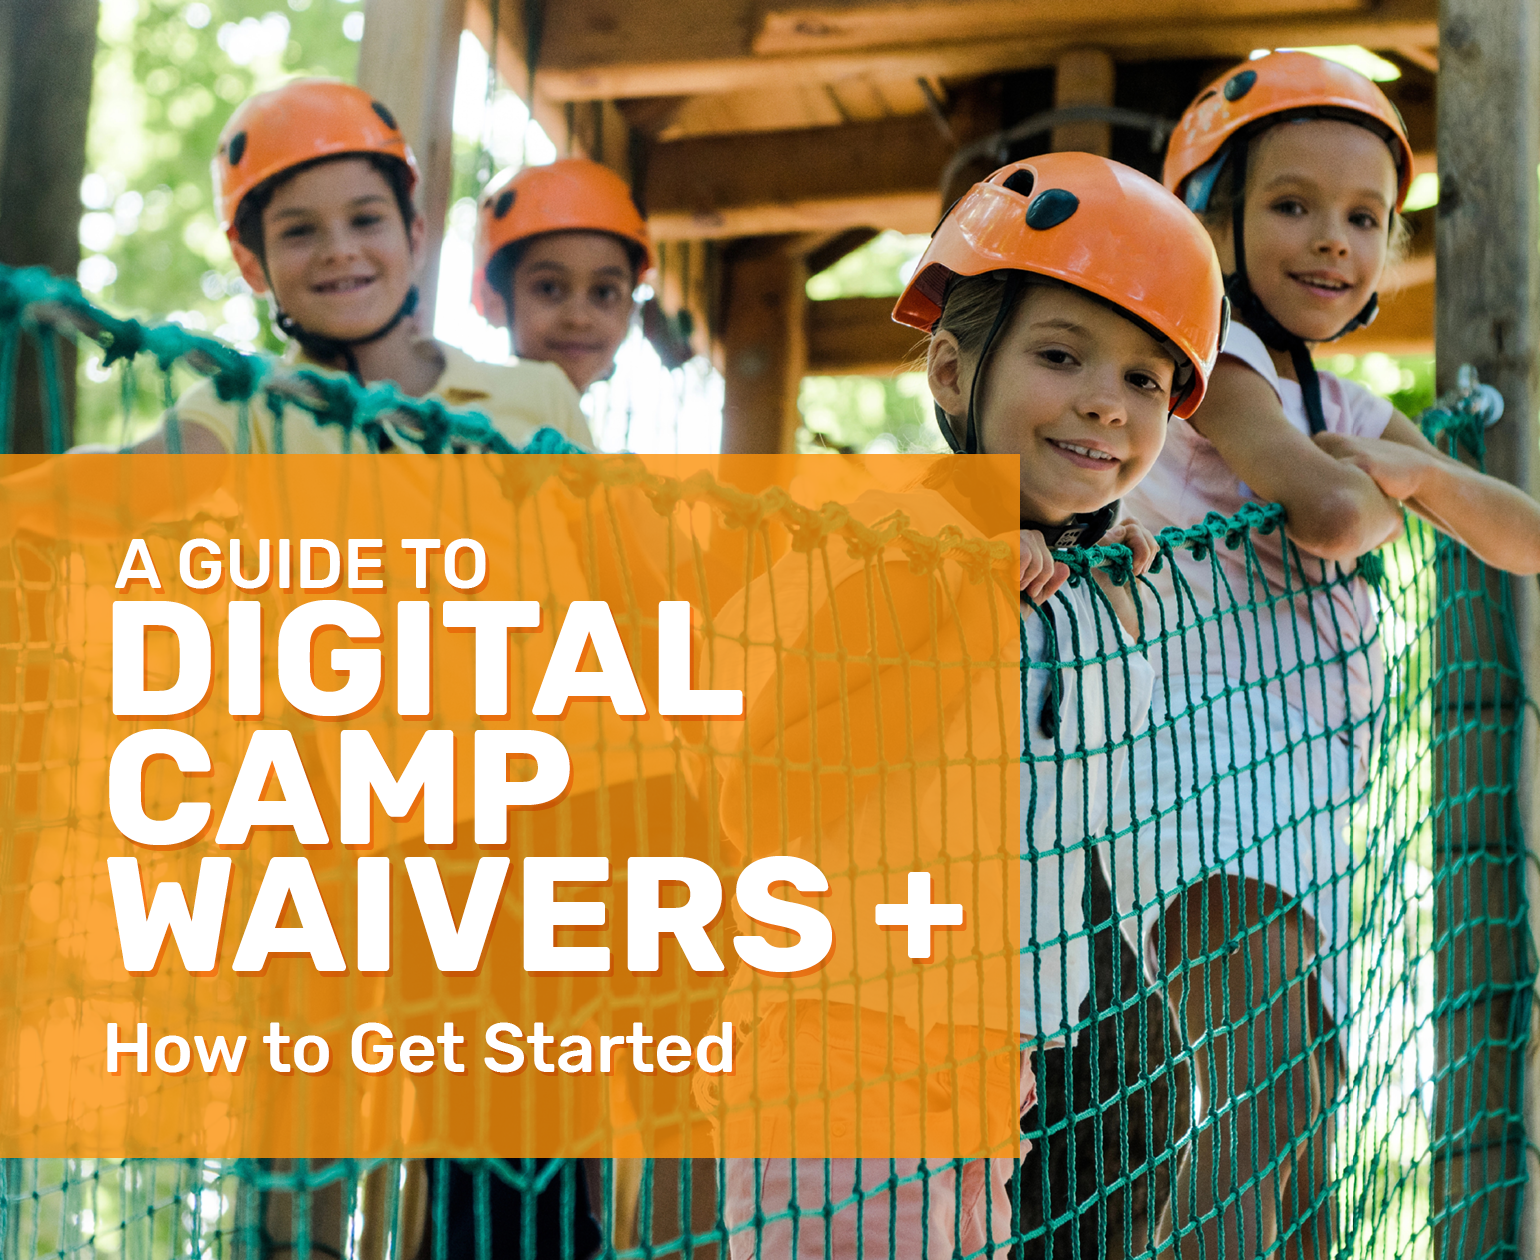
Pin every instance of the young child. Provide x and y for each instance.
(559, 252)
(1235, 879)
(314, 184)
(1072, 305)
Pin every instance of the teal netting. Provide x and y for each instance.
(1277, 988)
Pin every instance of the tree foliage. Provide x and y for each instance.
(168, 75)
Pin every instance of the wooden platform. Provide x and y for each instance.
(765, 138)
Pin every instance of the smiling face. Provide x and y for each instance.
(339, 256)
(1079, 392)
(572, 303)
(1319, 197)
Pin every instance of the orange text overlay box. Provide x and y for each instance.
(510, 805)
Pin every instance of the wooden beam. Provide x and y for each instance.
(822, 254)
(650, 115)
(857, 337)
(408, 59)
(794, 106)
(854, 24)
(595, 128)
(1427, 58)
(1084, 76)
(597, 50)
(881, 174)
(764, 351)
(1485, 735)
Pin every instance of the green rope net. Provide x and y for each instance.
(1297, 922)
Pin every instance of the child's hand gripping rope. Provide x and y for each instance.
(1041, 574)
(1139, 541)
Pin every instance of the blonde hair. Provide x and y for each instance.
(971, 306)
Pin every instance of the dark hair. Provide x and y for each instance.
(503, 264)
(248, 217)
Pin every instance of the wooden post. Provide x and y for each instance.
(764, 346)
(45, 75)
(974, 113)
(8, 67)
(1484, 773)
(1084, 76)
(594, 126)
(410, 52)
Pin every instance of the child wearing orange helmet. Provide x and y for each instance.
(559, 252)
(1072, 305)
(1235, 885)
(314, 184)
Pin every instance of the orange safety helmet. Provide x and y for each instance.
(1294, 84)
(568, 195)
(299, 122)
(1095, 225)
(1215, 130)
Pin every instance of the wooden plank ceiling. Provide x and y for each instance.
(755, 118)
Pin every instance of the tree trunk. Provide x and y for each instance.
(1484, 751)
(46, 55)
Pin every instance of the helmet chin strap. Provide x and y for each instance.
(1083, 529)
(324, 348)
(1260, 320)
(319, 346)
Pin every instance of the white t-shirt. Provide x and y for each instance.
(1077, 760)
(1322, 652)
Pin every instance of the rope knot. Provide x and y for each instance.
(1371, 567)
(1080, 563)
(237, 378)
(549, 441)
(1116, 561)
(124, 341)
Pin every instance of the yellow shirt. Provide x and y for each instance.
(518, 398)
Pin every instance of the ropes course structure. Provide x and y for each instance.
(1391, 995)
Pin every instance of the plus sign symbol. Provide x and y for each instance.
(919, 914)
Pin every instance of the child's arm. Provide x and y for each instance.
(196, 440)
(1499, 522)
(1335, 510)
